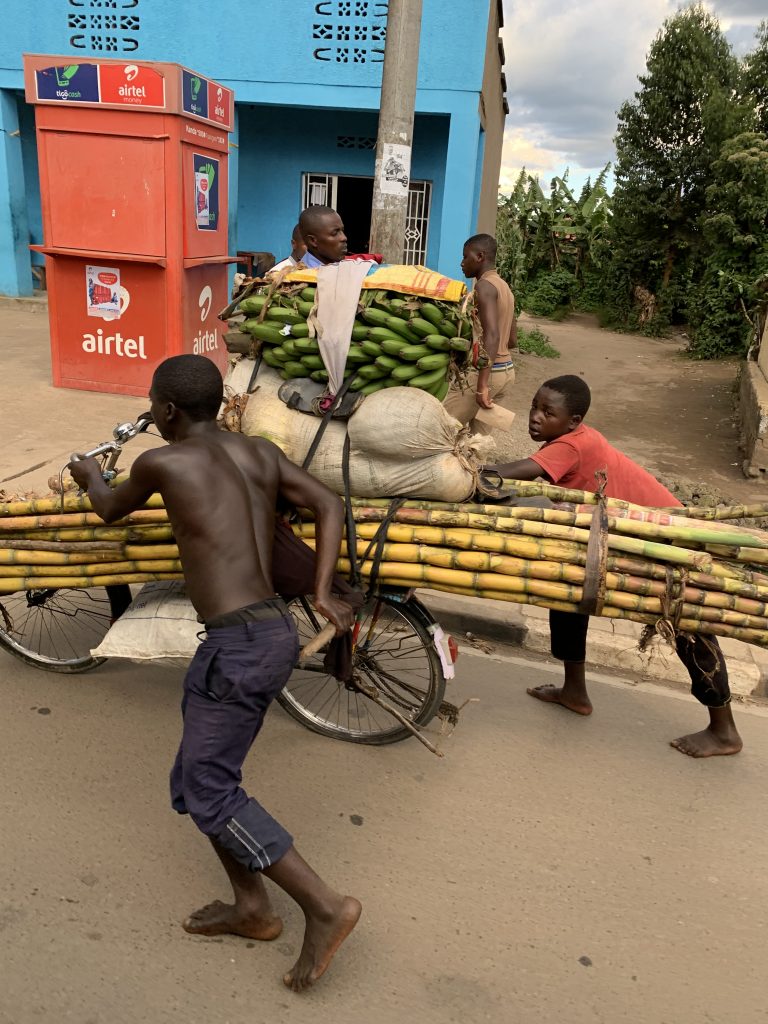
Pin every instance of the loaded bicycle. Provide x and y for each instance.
(400, 656)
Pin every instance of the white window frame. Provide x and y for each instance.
(320, 189)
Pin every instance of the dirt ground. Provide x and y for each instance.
(549, 868)
(673, 415)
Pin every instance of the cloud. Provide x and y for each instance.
(571, 65)
(748, 10)
(522, 151)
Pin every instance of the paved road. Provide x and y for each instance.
(550, 869)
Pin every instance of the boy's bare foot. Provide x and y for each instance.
(322, 938)
(557, 695)
(219, 918)
(707, 743)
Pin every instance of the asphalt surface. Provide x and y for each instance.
(549, 868)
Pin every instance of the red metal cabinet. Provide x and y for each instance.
(133, 181)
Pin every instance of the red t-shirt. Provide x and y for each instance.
(573, 459)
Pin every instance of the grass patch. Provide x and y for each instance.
(560, 314)
(536, 343)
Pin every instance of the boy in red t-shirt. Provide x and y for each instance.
(571, 455)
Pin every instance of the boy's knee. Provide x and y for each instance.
(209, 801)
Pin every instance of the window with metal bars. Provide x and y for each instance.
(100, 25)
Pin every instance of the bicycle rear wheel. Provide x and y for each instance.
(393, 654)
(56, 629)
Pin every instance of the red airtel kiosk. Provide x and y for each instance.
(133, 182)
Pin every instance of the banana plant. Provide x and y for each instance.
(544, 232)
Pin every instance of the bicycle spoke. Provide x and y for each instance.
(392, 658)
(57, 629)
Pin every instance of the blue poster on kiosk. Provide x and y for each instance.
(194, 94)
(73, 83)
(206, 170)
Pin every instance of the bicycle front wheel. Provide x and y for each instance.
(56, 629)
(393, 656)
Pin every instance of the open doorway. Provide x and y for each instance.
(352, 198)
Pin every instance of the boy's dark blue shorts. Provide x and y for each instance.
(237, 671)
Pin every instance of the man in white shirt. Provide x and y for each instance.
(298, 249)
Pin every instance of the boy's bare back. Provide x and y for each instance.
(220, 493)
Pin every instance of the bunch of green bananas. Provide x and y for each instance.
(396, 340)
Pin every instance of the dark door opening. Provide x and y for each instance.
(354, 198)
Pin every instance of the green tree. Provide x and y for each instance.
(730, 302)
(666, 140)
(548, 243)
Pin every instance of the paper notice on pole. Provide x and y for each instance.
(102, 287)
(395, 170)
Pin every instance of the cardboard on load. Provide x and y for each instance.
(497, 418)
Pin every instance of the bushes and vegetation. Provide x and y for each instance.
(683, 238)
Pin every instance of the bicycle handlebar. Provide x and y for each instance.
(122, 433)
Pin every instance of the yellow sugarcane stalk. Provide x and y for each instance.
(734, 578)
(48, 558)
(46, 522)
(561, 572)
(156, 551)
(11, 586)
(135, 534)
(114, 569)
(59, 505)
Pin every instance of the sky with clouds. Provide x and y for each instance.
(570, 64)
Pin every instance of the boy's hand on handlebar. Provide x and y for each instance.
(83, 471)
(336, 611)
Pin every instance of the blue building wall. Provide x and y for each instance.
(303, 73)
(271, 166)
(249, 45)
(31, 177)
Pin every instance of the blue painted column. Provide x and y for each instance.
(233, 167)
(460, 189)
(15, 263)
(478, 180)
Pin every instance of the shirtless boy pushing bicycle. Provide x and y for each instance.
(220, 491)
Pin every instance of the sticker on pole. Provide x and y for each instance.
(395, 170)
(206, 192)
(103, 292)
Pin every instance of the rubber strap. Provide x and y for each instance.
(324, 423)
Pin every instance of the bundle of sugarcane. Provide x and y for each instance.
(53, 543)
(659, 565)
(397, 339)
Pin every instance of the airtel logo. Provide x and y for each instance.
(131, 71)
(205, 302)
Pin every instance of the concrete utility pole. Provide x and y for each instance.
(393, 146)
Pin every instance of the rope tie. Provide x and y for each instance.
(593, 592)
